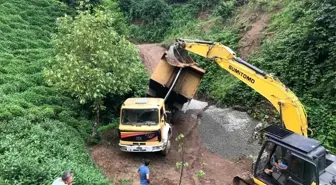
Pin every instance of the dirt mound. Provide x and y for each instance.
(150, 55)
(121, 167)
(251, 39)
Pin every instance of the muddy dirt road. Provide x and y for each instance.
(120, 167)
(150, 55)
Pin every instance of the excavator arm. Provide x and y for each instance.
(291, 110)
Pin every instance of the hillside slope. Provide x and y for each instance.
(294, 40)
(41, 134)
(150, 55)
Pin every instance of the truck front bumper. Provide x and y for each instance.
(141, 148)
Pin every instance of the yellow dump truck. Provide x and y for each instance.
(145, 121)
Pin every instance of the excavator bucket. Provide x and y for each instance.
(176, 56)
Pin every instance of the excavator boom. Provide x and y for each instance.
(291, 110)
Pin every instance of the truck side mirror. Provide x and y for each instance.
(167, 115)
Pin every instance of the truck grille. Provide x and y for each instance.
(140, 136)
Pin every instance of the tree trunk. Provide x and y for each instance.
(96, 123)
(181, 174)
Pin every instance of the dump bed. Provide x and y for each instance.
(185, 86)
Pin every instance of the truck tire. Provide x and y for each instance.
(168, 145)
(174, 119)
(167, 149)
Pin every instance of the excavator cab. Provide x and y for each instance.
(287, 158)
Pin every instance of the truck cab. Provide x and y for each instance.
(143, 126)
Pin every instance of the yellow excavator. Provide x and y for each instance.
(288, 156)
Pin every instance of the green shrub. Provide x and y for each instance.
(302, 56)
(322, 122)
(205, 4)
(152, 18)
(225, 9)
(33, 153)
(114, 124)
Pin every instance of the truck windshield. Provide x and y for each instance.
(140, 116)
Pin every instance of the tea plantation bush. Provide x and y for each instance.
(36, 154)
(41, 130)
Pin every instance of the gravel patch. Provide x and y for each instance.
(194, 105)
(229, 133)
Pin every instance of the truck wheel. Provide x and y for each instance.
(174, 118)
(166, 150)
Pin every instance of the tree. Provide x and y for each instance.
(181, 164)
(92, 59)
(199, 174)
(74, 3)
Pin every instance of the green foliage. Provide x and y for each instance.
(75, 3)
(114, 124)
(176, 1)
(179, 164)
(150, 24)
(151, 18)
(113, 9)
(38, 153)
(200, 174)
(225, 9)
(302, 56)
(180, 138)
(205, 4)
(91, 58)
(216, 83)
(34, 148)
(323, 122)
(183, 22)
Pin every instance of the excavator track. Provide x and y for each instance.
(239, 181)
